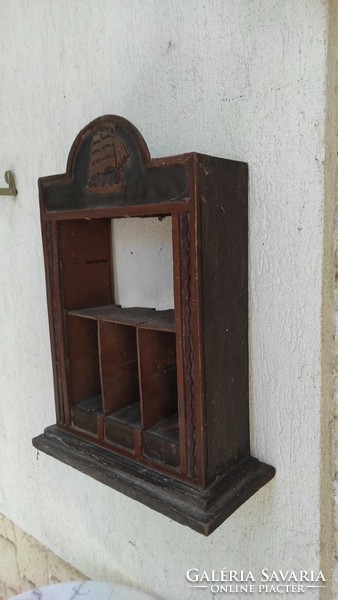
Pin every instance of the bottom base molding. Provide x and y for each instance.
(201, 510)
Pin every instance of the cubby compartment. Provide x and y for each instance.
(84, 373)
(158, 383)
(161, 442)
(120, 374)
(120, 383)
(118, 362)
(123, 427)
(87, 415)
(158, 371)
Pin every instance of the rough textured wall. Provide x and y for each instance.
(26, 564)
(335, 440)
(243, 80)
(330, 300)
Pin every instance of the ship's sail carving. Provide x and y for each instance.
(107, 157)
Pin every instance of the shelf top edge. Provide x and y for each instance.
(147, 318)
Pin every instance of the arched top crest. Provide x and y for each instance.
(107, 145)
(109, 165)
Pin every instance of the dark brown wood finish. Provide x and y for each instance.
(119, 369)
(153, 403)
(157, 374)
(83, 358)
(223, 236)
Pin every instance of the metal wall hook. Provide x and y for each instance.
(11, 190)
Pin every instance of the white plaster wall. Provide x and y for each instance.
(143, 253)
(242, 79)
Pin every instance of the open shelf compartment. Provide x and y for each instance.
(84, 374)
(132, 378)
(158, 383)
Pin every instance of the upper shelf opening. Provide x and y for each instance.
(142, 253)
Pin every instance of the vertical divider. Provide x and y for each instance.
(100, 422)
(100, 427)
(111, 260)
(138, 432)
(140, 381)
(138, 442)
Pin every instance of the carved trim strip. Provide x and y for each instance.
(185, 232)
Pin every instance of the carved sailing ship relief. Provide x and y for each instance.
(107, 156)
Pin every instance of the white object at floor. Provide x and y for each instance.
(83, 590)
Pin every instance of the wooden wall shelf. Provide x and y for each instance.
(152, 403)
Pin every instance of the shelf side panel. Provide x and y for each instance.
(222, 205)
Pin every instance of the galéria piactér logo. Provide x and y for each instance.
(268, 581)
